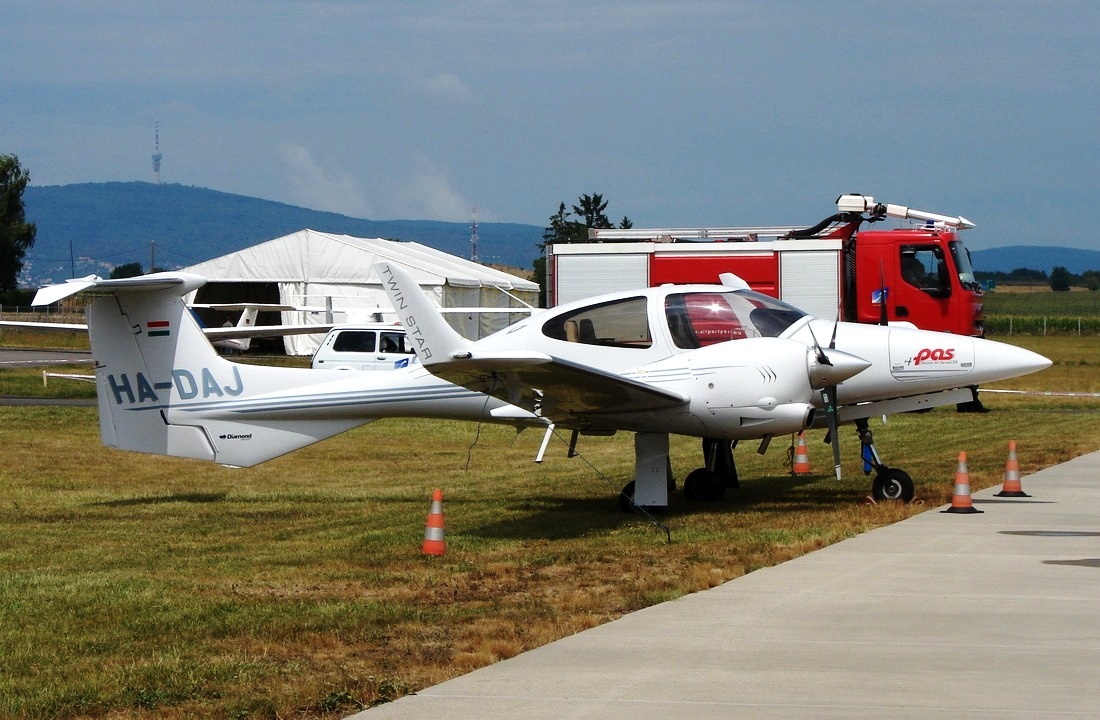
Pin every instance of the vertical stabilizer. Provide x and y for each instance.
(428, 332)
(163, 389)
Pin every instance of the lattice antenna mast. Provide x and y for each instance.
(473, 238)
(156, 153)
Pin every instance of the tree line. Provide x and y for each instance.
(1060, 279)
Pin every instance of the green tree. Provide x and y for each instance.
(16, 234)
(127, 270)
(592, 209)
(563, 228)
(1060, 279)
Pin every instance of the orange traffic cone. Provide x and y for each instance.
(1012, 487)
(801, 464)
(960, 498)
(434, 544)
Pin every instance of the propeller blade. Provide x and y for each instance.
(828, 394)
(822, 358)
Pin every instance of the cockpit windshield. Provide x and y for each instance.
(704, 318)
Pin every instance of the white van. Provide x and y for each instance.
(370, 346)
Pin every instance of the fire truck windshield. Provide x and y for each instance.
(704, 318)
(961, 256)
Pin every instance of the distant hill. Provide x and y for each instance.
(1035, 257)
(114, 223)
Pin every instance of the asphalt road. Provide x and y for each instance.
(30, 358)
(21, 357)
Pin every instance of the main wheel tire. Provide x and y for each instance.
(892, 484)
(626, 498)
(626, 502)
(703, 485)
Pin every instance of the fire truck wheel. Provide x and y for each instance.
(705, 485)
(892, 484)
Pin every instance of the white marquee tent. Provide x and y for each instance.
(318, 270)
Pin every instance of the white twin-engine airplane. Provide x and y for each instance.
(720, 363)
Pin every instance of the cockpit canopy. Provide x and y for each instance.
(692, 319)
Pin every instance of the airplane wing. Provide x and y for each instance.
(255, 331)
(224, 333)
(26, 325)
(554, 388)
(545, 385)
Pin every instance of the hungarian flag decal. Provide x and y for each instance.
(158, 328)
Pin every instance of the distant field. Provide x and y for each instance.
(1042, 302)
(143, 587)
(1041, 311)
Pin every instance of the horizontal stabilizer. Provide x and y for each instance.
(181, 281)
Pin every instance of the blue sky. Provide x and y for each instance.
(680, 113)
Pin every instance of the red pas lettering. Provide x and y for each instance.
(934, 354)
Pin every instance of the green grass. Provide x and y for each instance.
(138, 586)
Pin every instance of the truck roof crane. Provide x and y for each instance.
(854, 202)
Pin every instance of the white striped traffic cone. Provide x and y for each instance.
(960, 498)
(434, 544)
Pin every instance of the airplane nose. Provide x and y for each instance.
(1001, 361)
(838, 367)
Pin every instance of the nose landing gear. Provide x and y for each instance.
(889, 483)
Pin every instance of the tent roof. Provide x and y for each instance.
(312, 256)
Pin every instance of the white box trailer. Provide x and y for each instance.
(805, 273)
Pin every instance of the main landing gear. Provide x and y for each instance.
(709, 483)
(889, 483)
(653, 472)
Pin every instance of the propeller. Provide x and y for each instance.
(827, 370)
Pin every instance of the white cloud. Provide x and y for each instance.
(322, 186)
(449, 88)
(428, 195)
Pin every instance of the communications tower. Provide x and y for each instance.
(473, 238)
(156, 153)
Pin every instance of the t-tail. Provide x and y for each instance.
(163, 389)
(434, 341)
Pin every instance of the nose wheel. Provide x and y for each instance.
(892, 484)
(889, 483)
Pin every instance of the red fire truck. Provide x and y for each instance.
(919, 273)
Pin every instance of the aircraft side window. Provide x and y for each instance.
(354, 341)
(622, 323)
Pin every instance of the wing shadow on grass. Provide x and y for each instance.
(163, 499)
(547, 517)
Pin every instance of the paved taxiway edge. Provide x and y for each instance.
(939, 616)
